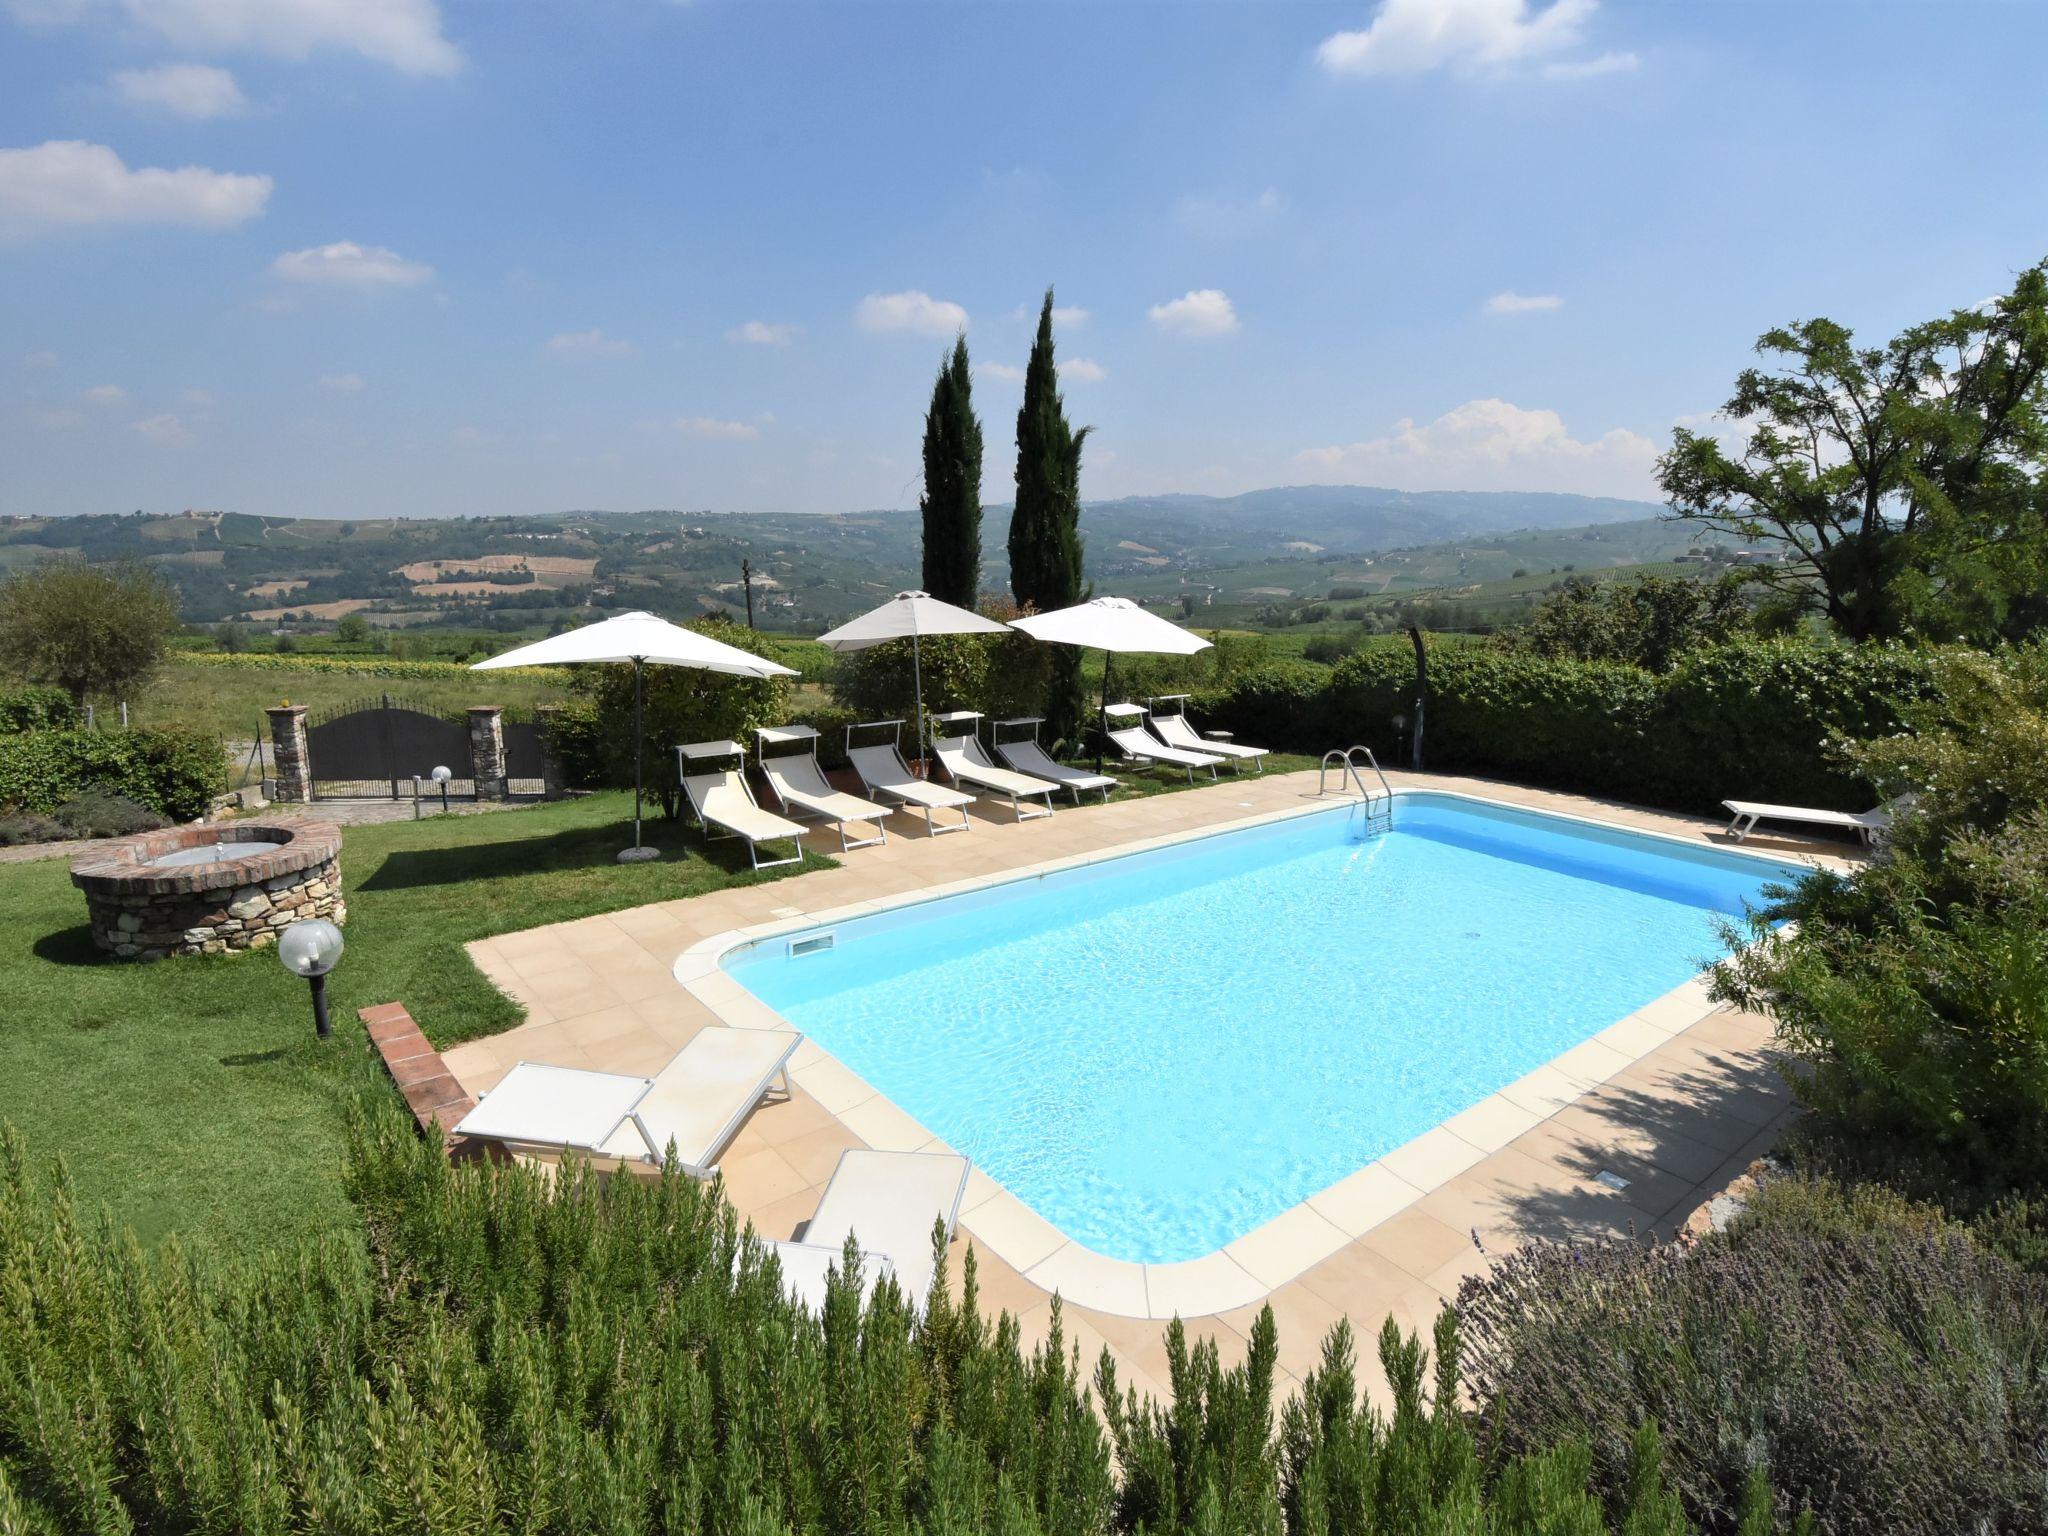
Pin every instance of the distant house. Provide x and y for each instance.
(1757, 557)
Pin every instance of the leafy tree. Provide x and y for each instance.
(1908, 479)
(229, 638)
(1045, 526)
(85, 628)
(1648, 622)
(353, 629)
(952, 484)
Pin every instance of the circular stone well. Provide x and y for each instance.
(210, 890)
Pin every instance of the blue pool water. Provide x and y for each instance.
(1158, 1053)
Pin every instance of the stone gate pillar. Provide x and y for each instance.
(293, 763)
(487, 750)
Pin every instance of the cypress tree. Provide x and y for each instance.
(952, 484)
(1045, 526)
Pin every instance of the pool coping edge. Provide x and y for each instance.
(1287, 1245)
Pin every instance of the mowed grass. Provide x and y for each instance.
(230, 701)
(191, 1096)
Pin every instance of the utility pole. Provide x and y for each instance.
(747, 580)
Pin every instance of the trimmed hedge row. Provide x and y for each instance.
(1747, 720)
(177, 773)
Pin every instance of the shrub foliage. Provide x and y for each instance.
(512, 1353)
(175, 773)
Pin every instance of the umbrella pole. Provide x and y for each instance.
(1102, 718)
(917, 703)
(639, 851)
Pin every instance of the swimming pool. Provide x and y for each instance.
(1157, 1053)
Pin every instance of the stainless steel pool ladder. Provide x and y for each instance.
(1379, 811)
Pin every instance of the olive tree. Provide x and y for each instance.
(86, 628)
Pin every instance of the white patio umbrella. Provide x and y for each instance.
(909, 616)
(640, 638)
(1116, 626)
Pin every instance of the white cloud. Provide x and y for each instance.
(1066, 316)
(1491, 445)
(165, 431)
(712, 427)
(37, 362)
(1219, 214)
(1592, 69)
(405, 34)
(764, 333)
(199, 399)
(343, 383)
(1513, 303)
(1201, 312)
(912, 310)
(586, 346)
(105, 394)
(195, 91)
(1085, 369)
(68, 182)
(1009, 373)
(345, 264)
(1412, 37)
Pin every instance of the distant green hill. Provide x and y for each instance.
(1234, 553)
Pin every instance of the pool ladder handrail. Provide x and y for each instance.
(1345, 760)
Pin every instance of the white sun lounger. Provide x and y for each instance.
(965, 763)
(801, 788)
(720, 798)
(695, 1104)
(884, 773)
(1175, 731)
(1141, 746)
(889, 1201)
(1029, 757)
(1870, 825)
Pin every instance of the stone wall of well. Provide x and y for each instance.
(139, 912)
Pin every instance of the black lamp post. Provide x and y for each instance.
(309, 949)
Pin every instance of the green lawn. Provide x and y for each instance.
(190, 1095)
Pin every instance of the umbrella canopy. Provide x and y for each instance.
(639, 638)
(909, 616)
(1113, 624)
(906, 616)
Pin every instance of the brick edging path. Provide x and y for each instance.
(430, 1089)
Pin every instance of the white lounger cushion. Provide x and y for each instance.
(1755, 809)
(1175, 731)
(1030, 757)
(883, 770)
(962, 764)
(723, 798)
(805, 1267)
(1136, 742)
(697, 1101)
(799, 781)
(888, 1201)
(700, 1099)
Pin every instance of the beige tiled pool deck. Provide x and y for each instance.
(1675, 1099)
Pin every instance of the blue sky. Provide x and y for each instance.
(400, 257)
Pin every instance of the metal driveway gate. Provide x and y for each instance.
(380, 746)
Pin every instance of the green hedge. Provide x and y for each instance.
(1748, 720)
(176, 773)
(34, 708)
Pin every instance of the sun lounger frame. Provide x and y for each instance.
(798, 803)
(1217, 743)
(1075, 781)
(711, 751)
(908, 802)
(992, 782)
(1140, 746)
